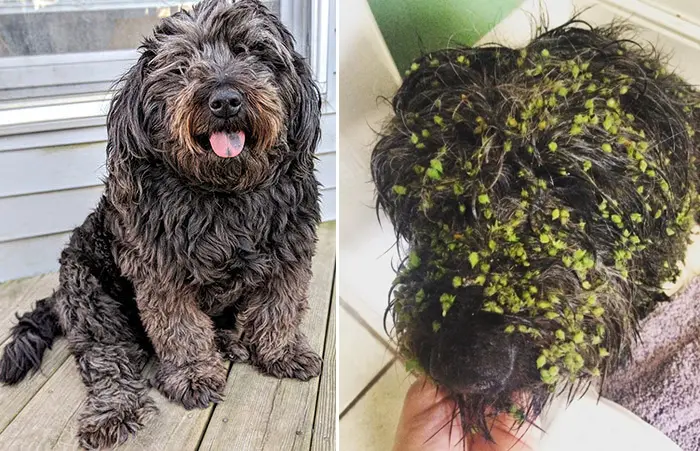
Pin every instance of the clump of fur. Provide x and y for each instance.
(33, 334)
(545, 194)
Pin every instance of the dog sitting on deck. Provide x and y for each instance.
(201, 246)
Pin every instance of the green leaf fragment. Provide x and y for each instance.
(474, 259)
(412, 365)
(541, 361)
(413, 260)
(400, 190)
(433, 173)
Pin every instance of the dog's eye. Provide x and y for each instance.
(240, 48)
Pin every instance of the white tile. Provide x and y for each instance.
(692, 256)
(362, 356)
(371, 423)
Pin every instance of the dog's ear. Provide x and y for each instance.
(305, 128)
(125, 118)
(126, 139)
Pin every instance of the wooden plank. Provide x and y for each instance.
(40, 425)
(261, 412)
(172, 428)
(52, 168)
(14, 398)
(323, 435)
(53, 410)
(30, 257)
(54, 138)
(46, 213)
(19, 95)
(18, 296)
(90, 71)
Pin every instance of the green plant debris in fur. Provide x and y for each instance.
(553, 183)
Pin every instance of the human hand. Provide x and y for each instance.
(427, 424)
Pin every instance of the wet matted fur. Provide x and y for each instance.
(189, 255)
(544, 194)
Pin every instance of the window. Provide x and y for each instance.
(59, 58)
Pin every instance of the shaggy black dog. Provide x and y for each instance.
(545, 195)
(202, 243)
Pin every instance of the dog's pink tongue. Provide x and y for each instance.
(227, 144)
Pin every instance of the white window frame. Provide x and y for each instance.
(312, 23)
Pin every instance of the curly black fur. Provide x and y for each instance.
(545, 195)
(33, 334)
(191, 256)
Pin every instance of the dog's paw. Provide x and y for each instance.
(297, 362)
(194, 385)
(104, 424)
(230, 346)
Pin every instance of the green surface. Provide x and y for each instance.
(412, 27)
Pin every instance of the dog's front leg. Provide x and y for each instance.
(270, 324)
(191, 370)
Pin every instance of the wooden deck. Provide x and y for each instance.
(259, 412)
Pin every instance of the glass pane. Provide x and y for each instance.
(40, 27)
(52, 48)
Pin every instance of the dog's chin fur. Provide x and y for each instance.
(537, 237)
(189, 255)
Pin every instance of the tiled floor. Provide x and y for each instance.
(372, 386)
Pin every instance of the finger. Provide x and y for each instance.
(428, 420)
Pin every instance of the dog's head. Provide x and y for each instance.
(544, 195)
(220, 96)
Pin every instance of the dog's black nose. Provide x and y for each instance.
(477, 358)
(225, 103)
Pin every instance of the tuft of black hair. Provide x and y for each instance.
(31, 337)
